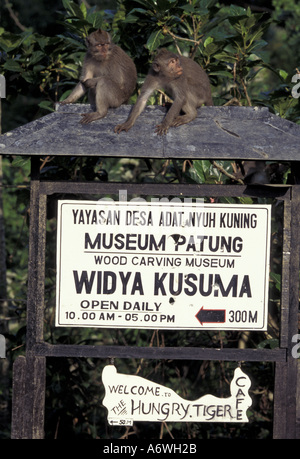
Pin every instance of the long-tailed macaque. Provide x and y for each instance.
(182, 79)
(108, 73)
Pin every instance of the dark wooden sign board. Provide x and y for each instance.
(218, 133)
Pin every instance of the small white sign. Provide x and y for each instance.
(162, 265)
(131, 398)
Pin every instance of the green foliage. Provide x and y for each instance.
(286, 34)
(41, 69)
(228, 41)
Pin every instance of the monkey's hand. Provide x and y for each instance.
(161, 129)
(64, 102)
(90, 83)
(122, 127)
(89, 117)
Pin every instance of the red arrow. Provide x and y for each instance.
(211, 315)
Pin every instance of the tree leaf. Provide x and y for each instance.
(154, 40)
(13, 66)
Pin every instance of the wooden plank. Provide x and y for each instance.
(175, 353)
(36, 261)
(217, 132)
(28, 398)
(163, 190)
(291, 385)
(280, 393)
(36, 386)
(34, 405)
(30, 371)
(286, 375)
(18, 398)
(285, 276)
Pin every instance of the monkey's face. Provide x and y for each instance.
(174, 67)
(99, 45)
(169, 68)
(101, 50)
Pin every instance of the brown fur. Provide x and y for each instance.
(182, 79)
(108, 73)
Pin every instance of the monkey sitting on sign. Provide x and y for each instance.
(108, 74)
(183, 79)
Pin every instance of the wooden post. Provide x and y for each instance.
(28, 398)
(285, 393)
(30, 370)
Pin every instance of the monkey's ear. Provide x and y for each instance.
(156, 67)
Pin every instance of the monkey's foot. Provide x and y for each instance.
(177, 121)
(182, 119)
(89, 117)
(160, 129)
(121, 127)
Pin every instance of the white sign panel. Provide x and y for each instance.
(162, 265)
(131, 398)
